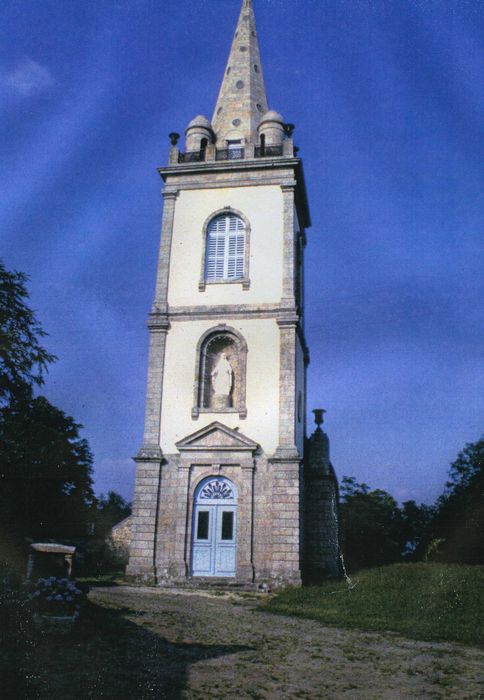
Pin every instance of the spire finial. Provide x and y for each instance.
(242, 98)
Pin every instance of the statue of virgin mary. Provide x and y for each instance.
(222, 376)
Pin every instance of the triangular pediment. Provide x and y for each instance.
(218, 437)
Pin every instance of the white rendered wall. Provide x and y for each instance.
(263, 207)
(262, 399)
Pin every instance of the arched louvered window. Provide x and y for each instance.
(225, 248)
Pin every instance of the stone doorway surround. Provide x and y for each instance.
(214, 529)
(216, 451)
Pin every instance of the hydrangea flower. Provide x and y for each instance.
(57, 596)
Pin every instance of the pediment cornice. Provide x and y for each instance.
(216, 437)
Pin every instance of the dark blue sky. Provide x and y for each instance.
(388, 102)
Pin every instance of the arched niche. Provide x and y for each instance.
(220, 372)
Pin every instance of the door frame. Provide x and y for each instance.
(224, 498)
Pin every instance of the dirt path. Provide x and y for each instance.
(204, 646)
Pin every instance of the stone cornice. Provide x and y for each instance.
(158, 322)
(237, 166)
(186, 313)
(284, 317)
(210, 183)
(149, 453)
(169, 193)
(216, 437)
(288, 320)
(244, 171)
(292, 458)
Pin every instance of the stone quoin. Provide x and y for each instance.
(227, 484)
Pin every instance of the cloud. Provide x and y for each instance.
(28, 78)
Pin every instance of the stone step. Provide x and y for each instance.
(212, 583)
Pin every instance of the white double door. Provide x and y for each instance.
(214, 548)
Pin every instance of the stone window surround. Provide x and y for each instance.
(241, 346)
(244, 281)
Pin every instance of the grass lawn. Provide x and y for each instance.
(114, 578)
(423, 601)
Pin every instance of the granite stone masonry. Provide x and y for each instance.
(228, 487)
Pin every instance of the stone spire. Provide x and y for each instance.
(242, 100)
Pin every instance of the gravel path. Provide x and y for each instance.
(201, 645)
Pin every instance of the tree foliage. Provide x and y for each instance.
(45, 472)
(23, 360)
(375, 530)
(45, 466)
(459, 517)
(416, 523)
(111, 509)
(370, 522)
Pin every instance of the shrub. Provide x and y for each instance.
(57, 596)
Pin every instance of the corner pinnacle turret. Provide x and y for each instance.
(242, 100)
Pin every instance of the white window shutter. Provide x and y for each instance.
(235, 258)
(225, 250)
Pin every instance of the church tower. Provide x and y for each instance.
(223, 489)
